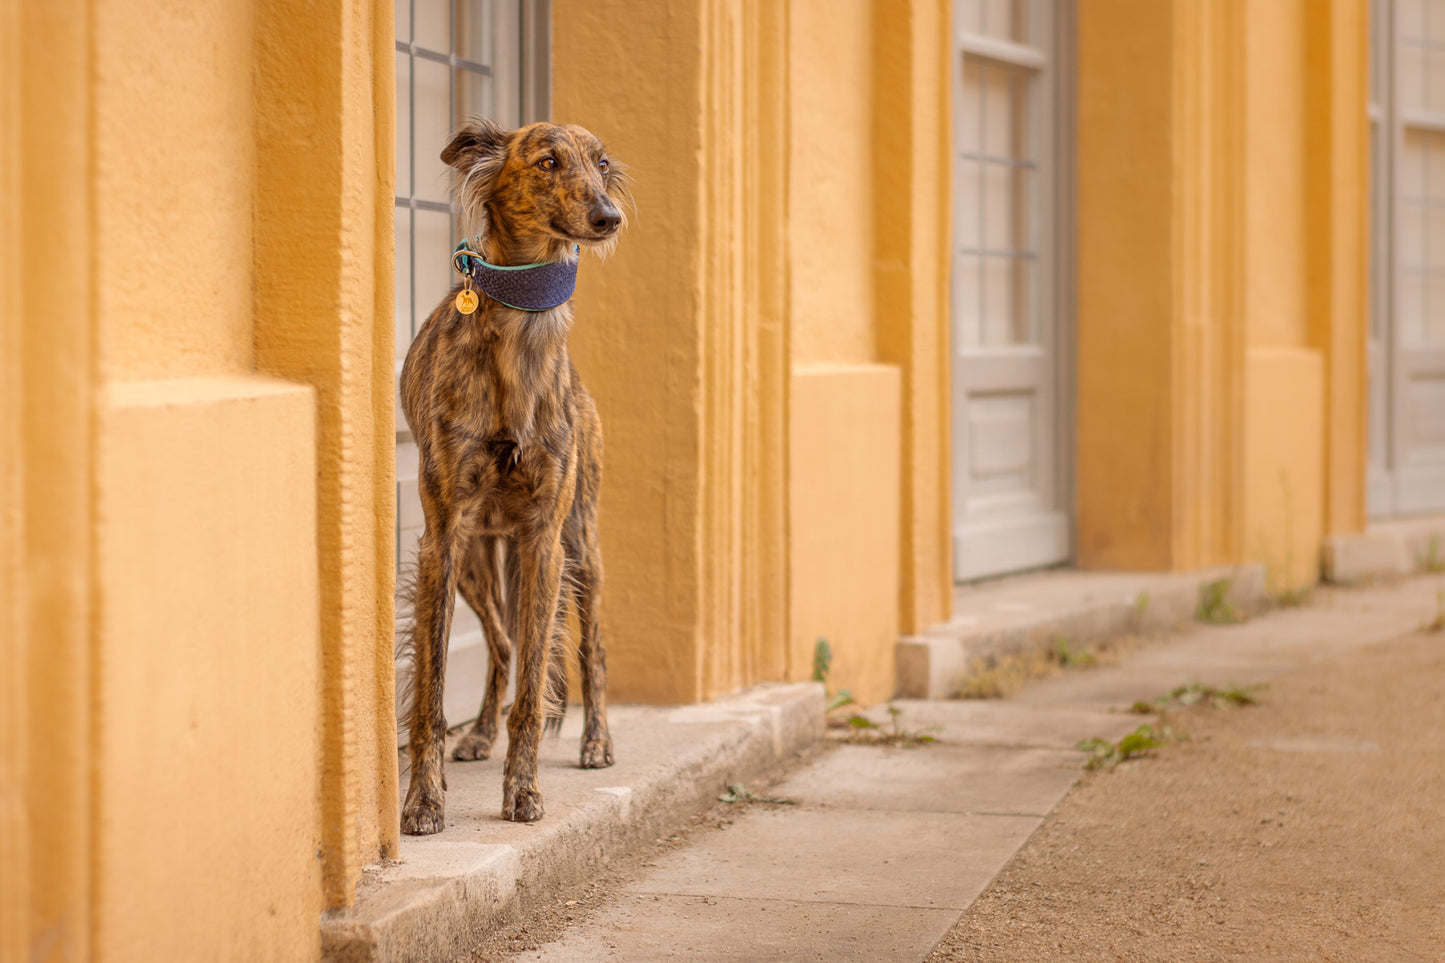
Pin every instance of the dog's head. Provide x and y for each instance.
(539, 189)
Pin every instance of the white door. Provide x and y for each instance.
(1008, 483)
(1407, 324)
(455, 59)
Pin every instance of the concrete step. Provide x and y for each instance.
(1013, 615)
(446, 892)
(1386, 550)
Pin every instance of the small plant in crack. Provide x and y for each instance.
(738, 793)
(1431, 560)
(1196, 693)
(865, 731)
(1437, 624)
(1070, 657)
(1214, 605)
(1104, 754)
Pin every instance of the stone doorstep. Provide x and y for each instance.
(1385, 550)
(446, 892)
(1027, 612)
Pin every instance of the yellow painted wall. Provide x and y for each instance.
(200, 756)
(1284, 455)
(844, 518)
(174, 160)
(830, 189)
(1275, 172)
(637, 336)
(1125, 429)
(1222, 256)
(48, 318)
(790, 167)
(207, 678)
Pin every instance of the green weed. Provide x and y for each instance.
(1214, 605)
(1437, 624)
(1104, 754)
(738, 793)
(1432, 560)
(1193, 693)
(1072, 658)
(822, 660)
(865, 730)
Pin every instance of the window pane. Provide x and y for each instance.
(476, 31)
(474, 96)
(998, 322)
(966, 299)
(404, 330)
(968, 16)
(433, 124)
(1432, 328)
(403, 124)
(433, 262)
(967, 197)
(433, 25)
(968, 135)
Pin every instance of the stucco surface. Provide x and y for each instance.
(637, 339)
(831, 211)
(208, 685)
(1125, 470)
(173, 153)
(844, 514)
(1284, 455)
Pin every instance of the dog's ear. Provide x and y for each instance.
(476, 155)
(477, 141)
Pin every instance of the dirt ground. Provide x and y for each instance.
(1310, 827)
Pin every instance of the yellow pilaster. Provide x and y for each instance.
(1221, 268)
(323, 316)
(680, 336)
(912, 171)
(1337, 202)
(47, 432)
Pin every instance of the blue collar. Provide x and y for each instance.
(526, 287)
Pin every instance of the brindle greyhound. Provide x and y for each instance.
(510, 459)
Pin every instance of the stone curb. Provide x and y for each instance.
(1385, 551)
(934, 664)
(445, 895)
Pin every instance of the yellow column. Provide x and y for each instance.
(913, 179)
(323, 316)
(46, 495)
(680, 336)
(1337, 204)
(1221, 269)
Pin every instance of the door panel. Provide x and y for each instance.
(1007, 505)
(1407, 333)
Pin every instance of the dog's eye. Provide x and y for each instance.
(602, 165)
(548, 163)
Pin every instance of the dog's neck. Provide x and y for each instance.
(503, 248)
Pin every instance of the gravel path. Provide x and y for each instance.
(1310, 827)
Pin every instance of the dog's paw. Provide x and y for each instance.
(473, 745)
(597, 752)
(524, 807)
(423, 816)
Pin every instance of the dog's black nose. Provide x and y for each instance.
(604, 216)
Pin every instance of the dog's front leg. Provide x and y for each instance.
(538, 588)
(436, 588)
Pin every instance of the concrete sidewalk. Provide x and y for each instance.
(886, 848)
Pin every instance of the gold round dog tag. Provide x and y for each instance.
(467, 301)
